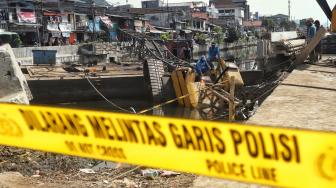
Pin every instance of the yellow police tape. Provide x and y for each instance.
(255, 154)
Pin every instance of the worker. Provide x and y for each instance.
(311, 29)
(188, 53)
(318, 47)
(213, 54)
(202, 66)
(311, 32)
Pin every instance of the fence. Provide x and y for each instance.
(64, 54)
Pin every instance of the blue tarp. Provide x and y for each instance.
(113, 35)
(97, 25)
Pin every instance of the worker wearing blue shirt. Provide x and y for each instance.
(311, 29)
(202, 66)
(213, 54)
(311, 32)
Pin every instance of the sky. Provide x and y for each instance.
(300, 8)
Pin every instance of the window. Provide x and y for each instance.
(229, 11)
(26, 10)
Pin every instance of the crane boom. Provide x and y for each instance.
(325, 7)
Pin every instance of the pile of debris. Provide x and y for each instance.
(329, 44)
(286, 43)
(27, 168)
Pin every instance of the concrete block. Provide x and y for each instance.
(14, 87)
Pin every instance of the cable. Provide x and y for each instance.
(107, 100)
(178, 98)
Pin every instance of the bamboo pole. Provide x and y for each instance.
(231, 102)
(220, 95)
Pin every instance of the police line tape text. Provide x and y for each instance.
(279, 147)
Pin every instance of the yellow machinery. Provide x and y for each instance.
(208, 96)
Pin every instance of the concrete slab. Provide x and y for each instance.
(306, 99)
(280, 36)
(14, 87)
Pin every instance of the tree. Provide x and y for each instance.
(293, 25)
(268, 24)
(219, 34)
(288, 25)
(16, 41)
(233, 34)
(200, 38)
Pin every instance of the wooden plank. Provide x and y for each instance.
(184, 89)
(177, 88)
(192, 88)
(311, 46)
(231, 102)
(220, 96)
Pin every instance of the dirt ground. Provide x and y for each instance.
(26, 168)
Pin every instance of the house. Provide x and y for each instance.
(232, 15)
(4, 16)
(151, 3)
(59, 18)
(20, 17)
(278, 21)
(252, 25)
(237, 5)
(177, 16)
(278, 18)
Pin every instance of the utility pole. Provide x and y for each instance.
(289, 10)
(168, 14)
(38, 18)
(93, 19)
(42, 25)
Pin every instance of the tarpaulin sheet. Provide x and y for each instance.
(106, 21)
(53, 27)
(26, 17)
(97, 25)
(65, 27)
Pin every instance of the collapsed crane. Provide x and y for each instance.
(331, 14)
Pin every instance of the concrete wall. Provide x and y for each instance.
(203, 49)
(64, 53)
(76, 90)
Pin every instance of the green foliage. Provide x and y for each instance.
(166, 36)
(218, 30)
(233, 35)
(219, 34)
(268, 24)
(12, 39)
(200, 38)
(293, 25)
(16, 42)
(288, 25)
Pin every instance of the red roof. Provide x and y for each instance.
(201, 15)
